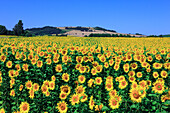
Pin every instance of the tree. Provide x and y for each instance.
(18, 29)
(3, 30)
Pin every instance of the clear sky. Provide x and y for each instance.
(125, 16)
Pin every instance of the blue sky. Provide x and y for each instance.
(124, 16)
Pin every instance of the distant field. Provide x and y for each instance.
(50, 74)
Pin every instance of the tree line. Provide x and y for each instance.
(18, 30)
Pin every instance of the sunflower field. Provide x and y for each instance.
(49, 74)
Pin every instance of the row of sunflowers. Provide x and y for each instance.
(49, 74)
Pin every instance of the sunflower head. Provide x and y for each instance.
(24, 107)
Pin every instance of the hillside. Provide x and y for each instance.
(79, 32)
(47, 30)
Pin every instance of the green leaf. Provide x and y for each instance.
(99, 92)
(165, 107)
(163, 111)
(104, 108)
(1, 102)
(133, 106)
(153, 107)
(154, 95)
(154, 102)
(167, 102)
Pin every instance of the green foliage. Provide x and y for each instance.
(103, 29)
(47, 30)
(18, 29)
(3, 30)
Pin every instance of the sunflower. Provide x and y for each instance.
(98, 80)
(74, 99)
(28, 84)
(116, 67)
(25, 67)
(65, 58)
(121, 78)
(113, 103)
(90, 82)
(81, 79)
(132, 79)
(164, 98)
(78, 66)
(134, 66)
(99, 68)
(139, 74)
(157, 65)
(62, 107)
(17, 66)
(53, 78)
(83, 97)
(58, 68)
(82, 69)
(93, 71)
(164, 74)
(85, 58)
(79, 59)
(44, 89)
(21, 87)
(35, 87)
(149, 58)
(126, 65)
(0, 79)
(142, 83)
(158, 87)
(3, 58)
(148, 82)
(30, 56)
(91, 103)
(111, 62)
(31, 92)
(95, 64)
(126, 69)
(144, 64)
(39, 63)
(109, 78)
(41, 54)
(135, 95)
(131, 73)
(9, 64)
(122, 84)
(66, 89)
(65, 77)
(64, 52)
(112, 93)
(155, 74)
(2, 110)
(63, 96)
(142, 92)
(24, 107)
(12, 81)
(87, 69)
(12, 93)
(55, 60)
(109, 86)
(102, 58)
(80, 89)
(51, 85)
(47, 83)
(48, 61)
(161, 80)
(47, 93)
